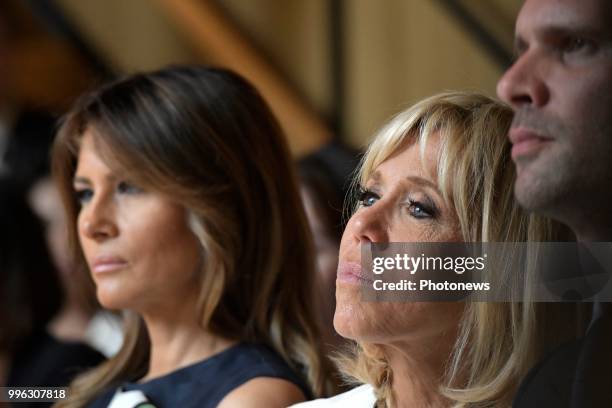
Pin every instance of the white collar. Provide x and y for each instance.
(128, 399)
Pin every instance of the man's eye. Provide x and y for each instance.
(126, 188)
(83, 195)
(578, 44)
(367, 198)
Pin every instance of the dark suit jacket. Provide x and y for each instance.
(575, 375)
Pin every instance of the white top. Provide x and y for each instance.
(127, 399)
(360, 397)
(105, 333)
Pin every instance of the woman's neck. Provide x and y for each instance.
(178, 340)
(418, 372)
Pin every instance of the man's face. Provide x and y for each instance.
(560, 87)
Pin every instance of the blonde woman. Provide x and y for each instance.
(440, 172)
(183, 209)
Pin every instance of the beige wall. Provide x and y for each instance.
(403, 52)
(497, 16)
(396, 51)
(130, 35)
(293, 34)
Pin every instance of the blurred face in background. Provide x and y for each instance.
(45, 201)
(138, 245)
(325, 240)
(560, 87)
(326, 245)
(400, 202)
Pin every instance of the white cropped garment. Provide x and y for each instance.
(360, 397)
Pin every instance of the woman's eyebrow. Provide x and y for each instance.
(81, 180)
(374, 180)
(84, 180)
(424, 183)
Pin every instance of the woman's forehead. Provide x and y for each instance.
(413, 157)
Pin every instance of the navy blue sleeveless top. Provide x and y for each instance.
(206, 383)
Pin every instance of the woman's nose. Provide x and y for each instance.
(97, 220)
(370, 225)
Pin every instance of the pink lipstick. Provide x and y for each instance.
(105, 264)
(351, 272)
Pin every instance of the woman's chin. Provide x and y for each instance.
(343, 326)
(112, 300)
(351, 321)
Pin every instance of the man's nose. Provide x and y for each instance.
(524, 84)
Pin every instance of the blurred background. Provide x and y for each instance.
(331, 69)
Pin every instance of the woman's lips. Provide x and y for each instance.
(526, 142)
(351, 272)
(105, 264)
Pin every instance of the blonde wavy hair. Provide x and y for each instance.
(497, 342)
(205, 138)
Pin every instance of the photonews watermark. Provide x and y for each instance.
(491, 271)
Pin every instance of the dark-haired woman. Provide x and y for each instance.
(184, 210)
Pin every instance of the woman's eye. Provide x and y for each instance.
(419, 210)
(126, 188)
(368, 198)
(83, 195)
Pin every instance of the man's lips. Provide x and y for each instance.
(103, 264)
(526, 142)
(351, 272)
